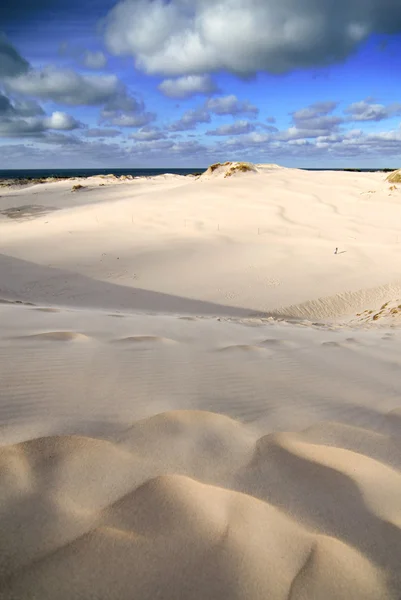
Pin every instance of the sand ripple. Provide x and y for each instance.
(190, 504)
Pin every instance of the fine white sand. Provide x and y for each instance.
(199, 399)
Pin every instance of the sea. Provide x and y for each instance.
(66, 173)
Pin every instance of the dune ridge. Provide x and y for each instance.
(274, 240)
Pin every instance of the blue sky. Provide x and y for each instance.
(185, 83)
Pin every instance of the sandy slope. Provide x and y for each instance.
(254, 242)
(161, 435)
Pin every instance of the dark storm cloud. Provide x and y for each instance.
(11, 62)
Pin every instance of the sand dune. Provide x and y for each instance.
(236, 431)
(263, 242)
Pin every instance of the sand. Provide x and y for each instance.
(200, 398)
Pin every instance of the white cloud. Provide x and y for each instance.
(145, 147)
(37, 126)
(316, 110)
(368, 111)
(237, 128)
(123, 110)
(190, 119)
(223, 105)
(66, 86)
(189, 37)
(127, 119)
(185, 87)
(312, 122)
(147, 134)
(61, 121)
(230, 105)
(94, 60)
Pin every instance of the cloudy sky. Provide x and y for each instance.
(185, 83)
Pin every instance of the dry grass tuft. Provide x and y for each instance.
(240, 168)
(214, 167)
(77, 187)
(394, 177)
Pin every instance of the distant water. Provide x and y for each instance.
(43, 173)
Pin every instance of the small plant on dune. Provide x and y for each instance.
(77, 187)
(394, 177)
(393, 187)
(214, 167)
(239, 168)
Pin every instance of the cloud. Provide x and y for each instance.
(101, 133)
(318, 109)
(61, 121)
(124, 110)
(25, 117)
(237, 128)
(230, 105)
(189, 148)
(21, 127)
(18, 126)
(367, 111)
(60, 139)
(66, 86)
(121, 119)
(22, 108)
(312, 122)
(156, 150)
(190, 119)
(147, 134)
(27, 107)
(270, 128)
(94, 60)
(249, 140)
(6, 106)
(223, 105)
(91, 59)
(352, 145)
(189, 37)
(146, 147)
(11, 62)
(185, 87)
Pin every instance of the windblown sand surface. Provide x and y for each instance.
(199, 399)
